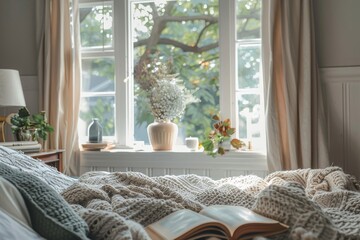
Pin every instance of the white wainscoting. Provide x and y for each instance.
(342, 89)
(175, 163)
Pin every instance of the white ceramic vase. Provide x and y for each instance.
(162, 135)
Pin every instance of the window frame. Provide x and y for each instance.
(99, 52)
(123, 52)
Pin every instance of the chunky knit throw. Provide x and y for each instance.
(316, 204)
(51, 216)
(24, 163)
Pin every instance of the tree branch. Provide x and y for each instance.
(204, 61)
(154, 10)
(182, 46)
(207, 18)
(201, 33)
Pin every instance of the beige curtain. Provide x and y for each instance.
(295, 118)
(59, 75)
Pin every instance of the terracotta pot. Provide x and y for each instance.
(162, 135)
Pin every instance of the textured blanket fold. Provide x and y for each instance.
(324, 203)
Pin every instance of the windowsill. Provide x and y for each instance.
(180, 155)
(180, 149)
(179, 161)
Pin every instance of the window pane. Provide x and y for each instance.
(249, 115)
(186, 42)
(251, 123)
(248, 19)
(98, 75)
(248, 66)
(101, 107)
(96, 28)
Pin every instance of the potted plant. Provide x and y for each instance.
(30, 128)
(168, 99)
(221, 133)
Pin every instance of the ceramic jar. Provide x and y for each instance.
(162, 135)
(95, 131)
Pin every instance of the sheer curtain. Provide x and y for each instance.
(295, 118)
(59, 77)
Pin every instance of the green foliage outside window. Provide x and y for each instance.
(187, 34)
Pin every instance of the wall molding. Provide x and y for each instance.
(340, 74)
(342, 89)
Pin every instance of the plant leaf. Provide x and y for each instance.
(216, 117)
(221, 151)
(230, 131)
(208, 145)
(227, 122)
(23, 112)
(236, 143)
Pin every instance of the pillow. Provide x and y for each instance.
(11, 229)
(51, 216)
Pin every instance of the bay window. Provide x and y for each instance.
(213, 46)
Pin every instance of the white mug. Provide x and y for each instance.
(192, 143)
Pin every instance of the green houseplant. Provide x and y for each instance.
(221, 133)
(28, 127)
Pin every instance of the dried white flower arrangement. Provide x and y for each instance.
(168, 99)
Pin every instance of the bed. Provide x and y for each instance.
(315, 203)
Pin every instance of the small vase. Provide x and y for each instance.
(25, 135)
(162, 135)
(95, 131)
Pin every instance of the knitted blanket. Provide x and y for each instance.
(316, 204)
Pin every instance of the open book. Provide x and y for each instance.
(217, 222)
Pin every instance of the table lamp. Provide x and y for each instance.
(11, 94)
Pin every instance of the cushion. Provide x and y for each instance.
(51, 216)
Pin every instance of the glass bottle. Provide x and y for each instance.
(95, 131)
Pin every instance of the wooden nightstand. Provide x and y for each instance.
(50, 157)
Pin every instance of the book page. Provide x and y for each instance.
(185, 224)
(235, 216)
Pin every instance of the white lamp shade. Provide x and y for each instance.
(11, 92)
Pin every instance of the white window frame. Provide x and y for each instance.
(228, 60)
(124, 135)
(98, 52)
(124, 96)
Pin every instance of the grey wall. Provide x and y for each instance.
(337, 39)
(337, 32)
(18, 48)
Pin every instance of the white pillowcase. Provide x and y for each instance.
(15, 220)
(13, 203)
(12, 229)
